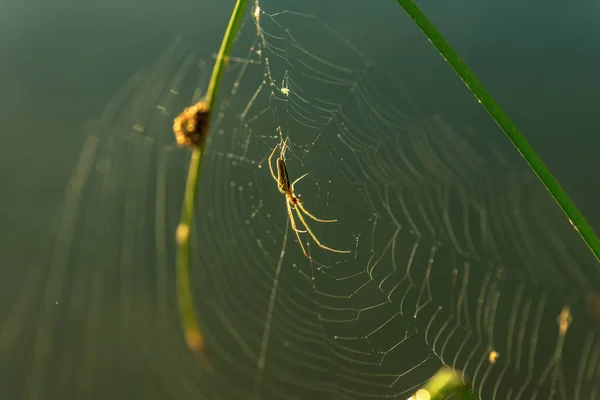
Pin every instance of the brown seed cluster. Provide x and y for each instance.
(190, 127)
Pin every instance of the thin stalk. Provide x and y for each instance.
(190, 325)
(223, 56)
(443, 385)
(517, 139)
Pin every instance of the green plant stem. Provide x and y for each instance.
(446, 383)
(223, 56)
(191, 327)
(484, 97)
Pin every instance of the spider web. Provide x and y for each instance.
(458, 256)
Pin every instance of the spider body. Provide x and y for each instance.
(293, 203)
(283, 179)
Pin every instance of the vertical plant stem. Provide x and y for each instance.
(485, 98)
(190, 325)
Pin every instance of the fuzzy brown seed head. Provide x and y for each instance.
(190, 127)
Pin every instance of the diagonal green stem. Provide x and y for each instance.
(484, 97)
(191, 327)
(223, 56)
(443, 385)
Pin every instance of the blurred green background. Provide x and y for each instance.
(457, 249)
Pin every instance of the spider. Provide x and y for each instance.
(292, 201)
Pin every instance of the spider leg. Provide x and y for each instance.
(305, 211)
(284, 146)
(313, 235)
(270, 163)
(295, 228)
(293, 183)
